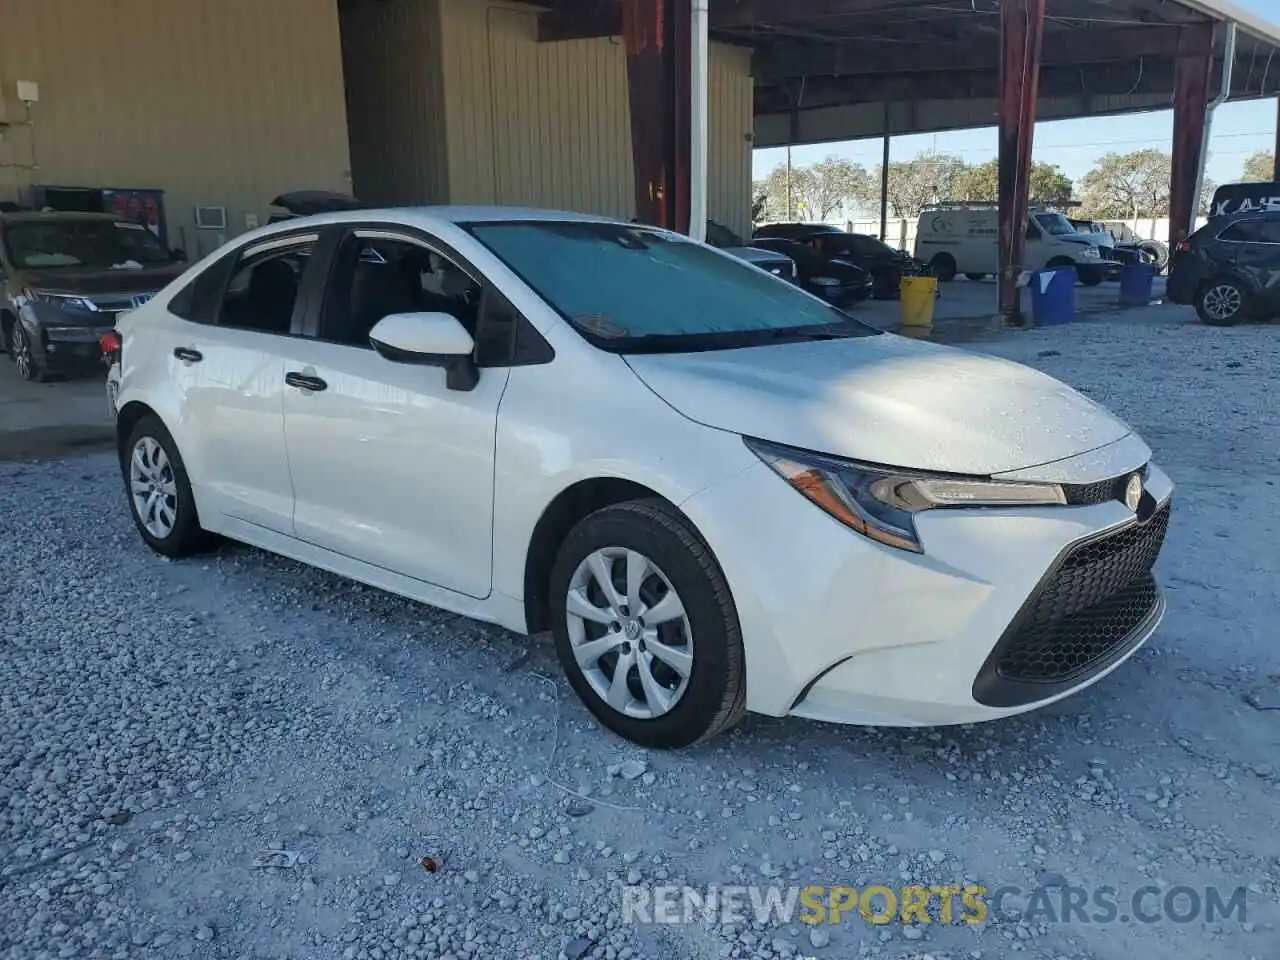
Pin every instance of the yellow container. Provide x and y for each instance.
(918, 295)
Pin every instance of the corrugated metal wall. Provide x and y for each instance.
(395, 101)
(223, 103)
(549, 124)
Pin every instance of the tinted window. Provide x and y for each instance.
(855, 245)
(96, 244)
(264, 289)
(375, 277)
(1055, 224)
(718, 235)
(630, 287)
(1244, 231)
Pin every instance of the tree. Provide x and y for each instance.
(929, 178)
(1128, 186)
(981, 182)
(1260, 166)
(827, 186)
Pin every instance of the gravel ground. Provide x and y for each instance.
(240, 757)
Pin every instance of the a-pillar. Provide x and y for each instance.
(1190, 108)
(658, 38)
(1021, 31)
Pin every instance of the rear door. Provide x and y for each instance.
(232, 370)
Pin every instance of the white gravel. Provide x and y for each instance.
(238, 757)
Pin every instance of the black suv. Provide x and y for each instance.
(1228, 268)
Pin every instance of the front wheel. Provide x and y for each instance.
(975, 277)
(645, 626)
(1222, 303)
(160, 498)
(23, 354)
(1089, 276)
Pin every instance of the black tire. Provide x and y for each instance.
(23, 355)
(1214, 298)
(943, 266)
(715, 696)
(975, 277)
(1089, 276)
(186, 536)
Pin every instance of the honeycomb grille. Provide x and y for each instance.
(1100, 593)
(1087, 494)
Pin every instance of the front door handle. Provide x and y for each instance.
(187, 355)
(303, 382)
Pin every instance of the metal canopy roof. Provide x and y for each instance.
(829, 70)
(825, 69)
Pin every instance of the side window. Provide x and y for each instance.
(1243, 231)
(375, 276)
(264, 287)
(1271, 231)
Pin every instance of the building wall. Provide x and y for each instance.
(548, 124)
(395, 101)
(222, 103)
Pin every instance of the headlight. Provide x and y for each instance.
(881, 503)
(1091, 253)
(79, 334)
(63, 301)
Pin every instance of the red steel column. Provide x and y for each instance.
(1190, 107)
(658, 35)
(1021, 32)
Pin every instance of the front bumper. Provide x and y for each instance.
(841, 629)
(78, 352)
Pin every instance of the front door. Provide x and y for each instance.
(390, 466)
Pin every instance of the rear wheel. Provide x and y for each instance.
(645, 626)
(975, 277)
(1222, 303)
(160, 498)
(943, 266)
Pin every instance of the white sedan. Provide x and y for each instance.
(717, 492)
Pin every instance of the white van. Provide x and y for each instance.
(963, 238)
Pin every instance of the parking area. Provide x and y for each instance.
(238, 756)
(967, 301)
(44, 419)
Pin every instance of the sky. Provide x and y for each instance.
(1239, 129)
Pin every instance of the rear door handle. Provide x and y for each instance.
(303, 382)
(187, 355)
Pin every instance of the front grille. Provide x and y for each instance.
(1083, 617)
(1087, 494)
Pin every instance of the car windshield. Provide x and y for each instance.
(1055, 224)
(629, 288)
(96, 244)
(718, 235)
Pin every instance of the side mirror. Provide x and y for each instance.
(429, 339)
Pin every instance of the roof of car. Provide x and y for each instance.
(47, 216)
(453, 214)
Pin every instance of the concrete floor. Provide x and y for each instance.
(39, 420)
(969, 301)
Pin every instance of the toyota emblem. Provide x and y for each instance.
(1133, 492)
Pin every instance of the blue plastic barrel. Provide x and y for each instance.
(1053, 296)
(1135, 284)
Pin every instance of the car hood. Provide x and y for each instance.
(885, 400)
(99, 282)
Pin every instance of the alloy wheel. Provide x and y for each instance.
(20, 347)
(629, 632)
(153, 488)
(1222, 302)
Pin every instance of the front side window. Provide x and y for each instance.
(376, 276)
(83, 244)
(1243, 231)
(630, 288)
(264, 288)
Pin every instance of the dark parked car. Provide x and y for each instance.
(63, 279)
(1226, 269)
(886, 265)
(1111, 248)
(721, 237)
(836, 282)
